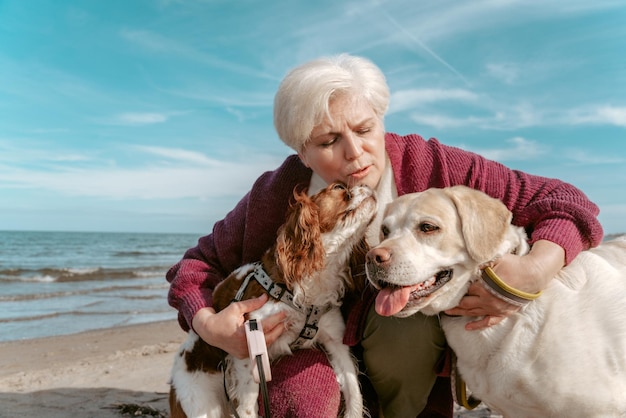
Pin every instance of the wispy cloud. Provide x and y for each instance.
(505, 72)
(139, 118)
(23, 151)
(495, 115)
(412, 98)
(180, 155)
(414, 40)
(157, 43)
(452, 19)
(165, 181)
(180, 173)
(522, 149)
(579, 156)
(442, 121)
(598, 115)
(519, 149)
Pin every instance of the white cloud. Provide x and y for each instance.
(140, 118)
(520, 149)
(450, 19)
(151, 182)
(181, 155)
(422, 47)
(17, 151)
(441, 121)
(584, 157)
(155, 42)
(504, 116)
(507, 73)
(412, 98)
(600, 115)
(504, 119)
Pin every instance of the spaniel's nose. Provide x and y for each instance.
(379, 256)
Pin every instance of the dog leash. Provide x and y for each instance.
(259, 360)
(460, 388)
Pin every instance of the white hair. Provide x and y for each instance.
(303, 97)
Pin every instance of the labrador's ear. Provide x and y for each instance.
(484, 221)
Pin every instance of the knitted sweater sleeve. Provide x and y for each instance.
(549, 209)
(241, 237)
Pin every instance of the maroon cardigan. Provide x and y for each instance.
(547, 208)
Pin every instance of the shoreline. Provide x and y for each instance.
(90, 373)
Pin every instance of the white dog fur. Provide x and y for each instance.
(310, 258)
(561, 355)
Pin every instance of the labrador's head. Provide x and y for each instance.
(431, 246)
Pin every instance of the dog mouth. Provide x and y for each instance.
(392, 298)
(363, 205)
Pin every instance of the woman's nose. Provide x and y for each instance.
(354, 147)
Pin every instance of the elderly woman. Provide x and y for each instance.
(331, 112)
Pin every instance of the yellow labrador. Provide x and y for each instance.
(561, 355)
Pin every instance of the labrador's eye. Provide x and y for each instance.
(339, 186)
(427, 228)
(384, 231)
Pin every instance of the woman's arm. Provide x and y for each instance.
(530, 273)
(559, 219)
(241, 237)
(548, 209)
(202, 267)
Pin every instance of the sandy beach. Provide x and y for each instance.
(88, 374)
(96, 374)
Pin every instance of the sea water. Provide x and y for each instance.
(56, 283)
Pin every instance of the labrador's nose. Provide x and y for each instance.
(379, 256)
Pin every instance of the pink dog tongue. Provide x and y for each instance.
(391, 301)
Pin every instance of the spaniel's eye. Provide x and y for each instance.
(427, 228)
(384, 231)
(342, 187)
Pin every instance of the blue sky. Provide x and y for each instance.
(156, 116)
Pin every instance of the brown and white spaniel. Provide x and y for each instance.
(310, 259)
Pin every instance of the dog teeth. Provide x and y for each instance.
(422, 286)
(427, 283)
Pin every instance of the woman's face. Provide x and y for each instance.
(349, 146)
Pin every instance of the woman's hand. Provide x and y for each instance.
(530, 273)
(226, 329)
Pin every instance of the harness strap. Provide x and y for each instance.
(279, 292)
(310, 328)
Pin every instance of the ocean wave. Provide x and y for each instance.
(69, 293)
(47, 275)
(140, 253)
(82, 313)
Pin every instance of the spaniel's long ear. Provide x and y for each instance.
(299, 247)
(357, 279)
(484, 221)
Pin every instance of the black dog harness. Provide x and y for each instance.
(279, 292)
